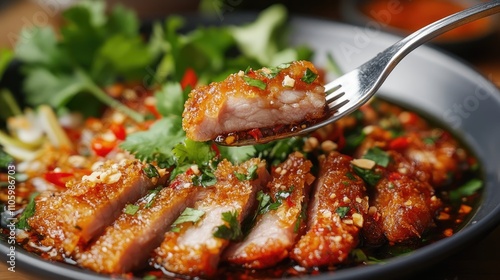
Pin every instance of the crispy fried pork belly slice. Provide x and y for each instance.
(288, 94)
(336, 214)
(428, 155)
(275, 231)
(407, 207)
(128, 243)
(193, 249)
(75, 216)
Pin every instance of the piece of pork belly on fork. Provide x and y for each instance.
(127, 244)
(280, 219)
(194, 248)
(75, 216)
(264, 98)
(336, 214)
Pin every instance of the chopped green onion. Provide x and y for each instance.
(255, 82)
(342, 211)
(131, 209)
(151, 171)
(309, 76)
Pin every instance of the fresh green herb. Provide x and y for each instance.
(302, 217)
(262, 40)
(151, 171)
(251, 174)
(430, 140)
(149, 277)
(369, 176)
(156, 143)
(188, 215)
(5, 159)
(379, 156)
(88, 56)
(131, 209)
(309, 76)
(170, 99)
(28, 212)
(353, 140)
(277, 151)
(342, 211)
(206, 179)
(255, 82)
(359, 256)
(274, 71)
(467, 189)
(231, 230)
(201, 154)
(237, 155)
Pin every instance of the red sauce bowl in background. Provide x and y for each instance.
(404, 17)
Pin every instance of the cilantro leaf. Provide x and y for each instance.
(188, 215)
(251, 174)
(261, 39)
(151, 171)
(368, 175)
(342, 211)
(255, 82)
(131, 209)
(193, 152)
(309, 76)
(232, 229)
(379, 156)
(237, 155)
(28, 212)
(467, 189)
(170, 99)
(93, 51)
(157, 143)
(5, 159)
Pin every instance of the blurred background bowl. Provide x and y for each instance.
(403, 17)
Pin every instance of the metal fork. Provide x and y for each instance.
(348, 92)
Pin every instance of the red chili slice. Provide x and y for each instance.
(58, 178)
(399, 143)
(118, 130)
(102, 147)
(189, 79)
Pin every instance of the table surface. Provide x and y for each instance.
(479, 261)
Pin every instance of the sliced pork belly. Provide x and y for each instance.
(428, 155)
(407, 207)
(336, 214)
(67, 219)
(268, 97)
(193, 249)
(127, 244)
(275, 231)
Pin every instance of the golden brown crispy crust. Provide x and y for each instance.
(275, 232)
(205, 115)
(336, 215)
(73, 217)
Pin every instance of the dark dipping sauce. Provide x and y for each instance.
(460, 195)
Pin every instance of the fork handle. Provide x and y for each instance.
(389, 58)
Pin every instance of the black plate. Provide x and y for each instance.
(427, 80)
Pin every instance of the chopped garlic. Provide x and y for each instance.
(288, 82)
(364, 163)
